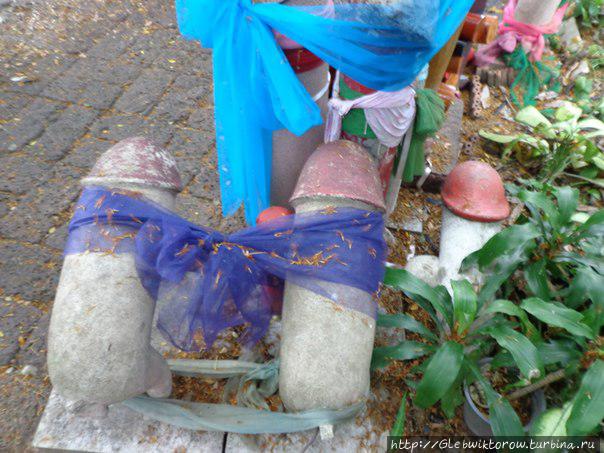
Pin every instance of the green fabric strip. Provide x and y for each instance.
(236, 419)
(429, 118)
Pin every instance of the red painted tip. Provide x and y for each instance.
(474, 191)
(341, 169)
(272, 213)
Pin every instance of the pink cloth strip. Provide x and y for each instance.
(512, 32)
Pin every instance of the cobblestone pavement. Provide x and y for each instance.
(76, 76)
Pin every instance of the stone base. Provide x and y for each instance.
(122, 430)
(356, 435)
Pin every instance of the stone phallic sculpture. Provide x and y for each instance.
(99, 348)
(474, 206)
(326, 348)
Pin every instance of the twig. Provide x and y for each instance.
(550, 378)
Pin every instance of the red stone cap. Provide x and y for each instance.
(474, 191)
(136, 160)
(272, 213)
(341, 169)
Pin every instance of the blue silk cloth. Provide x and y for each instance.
(381, 44)
(205, 281)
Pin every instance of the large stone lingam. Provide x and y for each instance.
(326, 347)
(98, 342)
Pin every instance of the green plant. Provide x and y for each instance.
(548, 255)
(551, 148)
(464, 332)
(589, 11)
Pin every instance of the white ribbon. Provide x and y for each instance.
(389, 114)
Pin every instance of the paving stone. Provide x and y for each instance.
(60, 135)
(4, 199)
(11, 104)
(202, 119)
(40, 72)
(22, 400)
(205, 184)
(29, 124)
(16, 321)
(187, 94)
(29, 271)
(33, 351)
(56, 239)
(144, 92)
(38, 211)
(21, 173)
(116, 127)
(85, 153)
(185, 61)
(191, 151)
(199, 211)
(109, 47)
(96, 94)
(146, 49)
(113, 71)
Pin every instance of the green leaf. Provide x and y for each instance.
(536, 279)
(464, 305)
(536, 201)
(504, 419)
(498, 138)
(413, 287)
(398, 429)
(588, 405)
(593, 225)
(568, 200)
(440, 374)
(405, 322)
(557, 315)
(524, 352)
(405, 350)
(558, 351)
(587, 284)
(506, 242)
(509, 308)
(453, 398)
(552, 422)
(532, 117)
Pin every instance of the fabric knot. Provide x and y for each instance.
(211, 241)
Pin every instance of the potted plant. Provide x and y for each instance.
(464, 333)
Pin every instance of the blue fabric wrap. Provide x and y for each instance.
(205, 281)
(382, 46)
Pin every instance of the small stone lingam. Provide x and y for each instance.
(474, 207)
(99, 348)
(326, 347)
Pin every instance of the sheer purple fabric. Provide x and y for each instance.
(207, 281)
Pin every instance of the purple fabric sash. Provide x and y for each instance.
(205, 281)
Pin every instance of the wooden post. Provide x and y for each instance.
(440, 61)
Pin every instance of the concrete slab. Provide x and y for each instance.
(63, 427)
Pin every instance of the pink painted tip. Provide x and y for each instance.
(136, 160)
